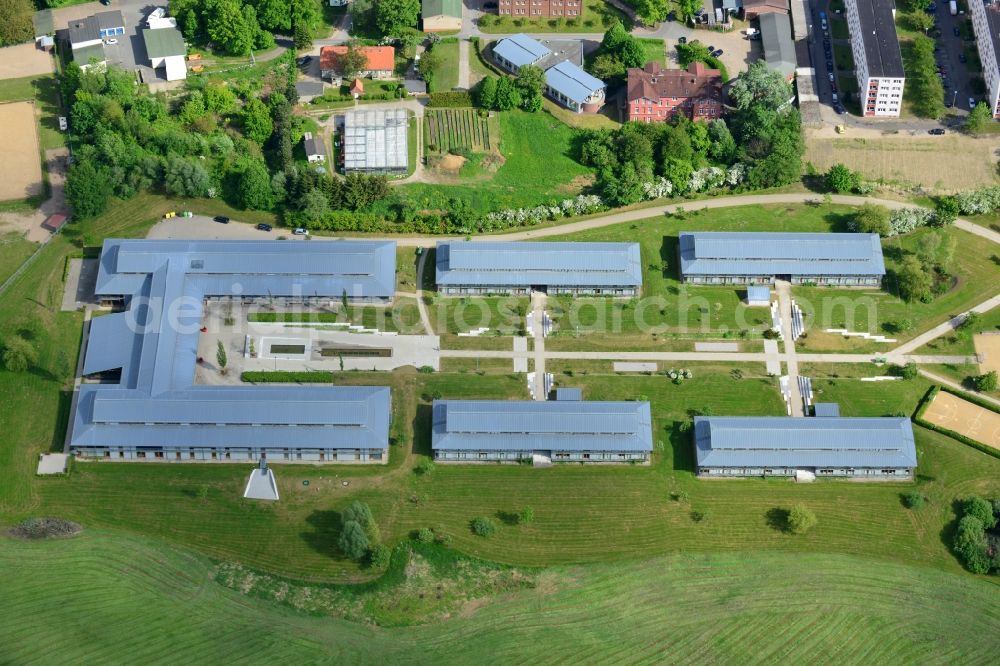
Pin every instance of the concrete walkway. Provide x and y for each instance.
(945, 328)
(538, 300)
(938, 379)
(783, 290)
(464, 78)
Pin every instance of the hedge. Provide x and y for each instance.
(287, 377)
(450, 99)
(925, 403)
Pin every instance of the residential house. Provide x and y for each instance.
(829, 445)
(743, 257)
(655, 95)
(574, 88)
(148, 407)
(441, 15)
(381, 62)
(878, 63)
(562, 430)
(776, 38)
(533, 9)
(166, 50)
(314, 147)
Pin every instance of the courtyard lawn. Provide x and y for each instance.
(654, 50)
(403, 317)
(732, 607)
(445, 75)
(877, 312)
(451, 315)
(537, 169)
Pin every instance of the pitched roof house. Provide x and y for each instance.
(655, 95)
(380, 65)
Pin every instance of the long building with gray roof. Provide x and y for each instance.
(560, 430)
(500, 267)
(723, 257)
(878, 62)
(825, 446)
(147, 405)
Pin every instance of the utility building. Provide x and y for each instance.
(147, 406)
(488, 267)
(570, 430)
(724, 257)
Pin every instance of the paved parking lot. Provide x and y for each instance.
(949, 52)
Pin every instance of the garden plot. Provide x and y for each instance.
(21, 168)
(461, 130)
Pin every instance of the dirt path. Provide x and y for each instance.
(463, 65)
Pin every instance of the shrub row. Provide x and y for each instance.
(449, 99)
(287, 377)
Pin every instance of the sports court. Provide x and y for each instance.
(988, 347)
(965, 418)
(21, 166)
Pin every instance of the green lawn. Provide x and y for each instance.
(458, 314)
(877, 311)
(14, 250)
(445, 76)
(655, 50)
(724, 608)
(537, 169)
(402, 317)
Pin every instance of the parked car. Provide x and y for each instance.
(937, 131)
(672, 16)
(111, 42)
(301, 232)
(489, 5)
(958, 33)
(710, 49)
(105, 2)
(830, 76)
(304, 60)
(839, 108)
(264, 227)
(717, 53)
(972, 103)
(829, 66)
(221, 219)
(682, 40)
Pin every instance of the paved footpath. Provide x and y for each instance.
(945, 328)
(938, 379)
(783, 289)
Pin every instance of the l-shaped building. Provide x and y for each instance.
(724, 257)
(146, 405)
(501, 267)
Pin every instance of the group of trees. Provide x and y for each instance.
(976, 542)
(619, 51)
(759, 136)
(927, 272)
(386, 18)
(15, 21)
(507, 92)
(922, 79)
(238, 27)
(359, 534)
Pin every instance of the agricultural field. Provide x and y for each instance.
(743, 607)
(460, 130)
(960, 162)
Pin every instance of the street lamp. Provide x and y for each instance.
(954, 98)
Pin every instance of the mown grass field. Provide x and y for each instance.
(14, 250)
(126, 599)
(445, 75)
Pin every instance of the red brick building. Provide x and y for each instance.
(655, 95)
(540, 8)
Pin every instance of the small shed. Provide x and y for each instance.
(569, 394)
(54, 222)
(758, 296)
(314, 147)
(826, 409)
(357, 88)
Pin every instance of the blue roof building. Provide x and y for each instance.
(724, 257)
(561, 430)
(516, 51)
(148, 406)
(501, 267)
(783, 445)
(574, 88)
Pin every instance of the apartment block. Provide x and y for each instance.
(986, 24)
(878, 63)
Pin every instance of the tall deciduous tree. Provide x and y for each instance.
(393, 17)
(913, 280)
(229, 28)
(759, 86)
(15, 22)
(257, 123)
(979, 118)
(87, 190)
(19, 354)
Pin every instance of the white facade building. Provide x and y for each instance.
(986, 24)
(878, 64)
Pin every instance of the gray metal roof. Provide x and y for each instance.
(758, 293)
(500, 263)
(155, 344)
(521, 50)
(878, 33)
(826, 409)
(110, 19)
(511, 425)
(776, 37)
(569, 393)
(784, 441)
(572, 81)
(164, 42)
(375, 140)
(84, 30)
(313, 145)
(779, 253)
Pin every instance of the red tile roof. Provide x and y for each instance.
(653, 83)
(380, 58)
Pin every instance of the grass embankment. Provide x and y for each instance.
(729, 608)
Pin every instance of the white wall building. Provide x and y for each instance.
(878, 64)
(986, 23)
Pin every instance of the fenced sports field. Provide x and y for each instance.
(21, 168)
(975, 422)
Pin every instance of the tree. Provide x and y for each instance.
(508, 96)
(971, 544)
(920, 20)
(393, 17)
(229, 26)
(651, 11)
(946, 210)
(913, 281)
(19, 354)
(923, 80)
(488, 93)
(185, 178)
(912, 499)
(607, 66)
(352, 540)
(631, 53)
(986, 382)
(15, 21)
(981, 510)
(255, 187)
(872, 219)
(220, 356)
(483, 527)
(87, 190)
(687, 8)
(379, 556)
(274, 15)
(257, 123)
(927, 248)
(220, 99)
(979, 118)
(614, 37)
(693, 51)
(910, 371)
(840, 179)
(362, 515)
(801, 519)
(530, 80)
(354, 61)
(760, 86)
